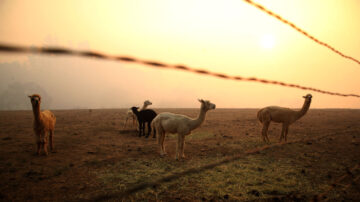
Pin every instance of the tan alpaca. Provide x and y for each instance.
(44, 123)
(182, 125)
(282, 115)
(131, 115)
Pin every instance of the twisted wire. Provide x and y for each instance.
(94, 54)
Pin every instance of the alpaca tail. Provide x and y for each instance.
(263, 115)
(259, 115)
(156, 127)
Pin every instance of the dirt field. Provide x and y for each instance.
(97, 159)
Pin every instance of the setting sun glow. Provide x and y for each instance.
(267, 41)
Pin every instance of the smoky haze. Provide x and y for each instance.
(207, 35)
(81, 83)
(66, 82)
(76, 83)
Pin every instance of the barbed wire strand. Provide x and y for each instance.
(93, 54)
(269, 12)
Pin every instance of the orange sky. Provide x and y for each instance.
(223, 36)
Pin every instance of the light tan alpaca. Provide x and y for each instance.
(182, 125)
(44, 123)
(131, 115)
(282, 115)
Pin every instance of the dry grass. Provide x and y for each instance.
(256, 176)
(97, 159)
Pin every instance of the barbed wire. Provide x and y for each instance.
(93, 54)
(269, 12)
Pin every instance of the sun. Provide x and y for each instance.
(267, 41)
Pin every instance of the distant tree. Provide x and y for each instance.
(15, 96)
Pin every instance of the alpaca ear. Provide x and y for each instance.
(29, 96)
(201, 100)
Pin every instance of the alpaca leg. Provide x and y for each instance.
(140, 124)
(264, 132)
(159, 136)
(143, 128)
(149, 129)
(126, 121)
(267, 138)
(136, 123)
(182, 146)
(282, 132)
(38, 147)
(51, 140)
(161, 143)
(286, 132)
(178, 147)
(45, 146)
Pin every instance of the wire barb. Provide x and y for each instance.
(64, 51)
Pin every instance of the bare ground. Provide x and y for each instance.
(97, 159)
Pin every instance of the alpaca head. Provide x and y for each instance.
(206, 105)
(308, 97)
(35, 99)
(147, 103)
(134, 109)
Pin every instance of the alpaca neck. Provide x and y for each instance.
(143, 107)
(303, 110)
(195, 123)
(36, 111)
(136, 112)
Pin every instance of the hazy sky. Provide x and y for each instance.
(230, 36)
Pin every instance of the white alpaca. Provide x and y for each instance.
(182, 125)
(131, 115)
(282, 115)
